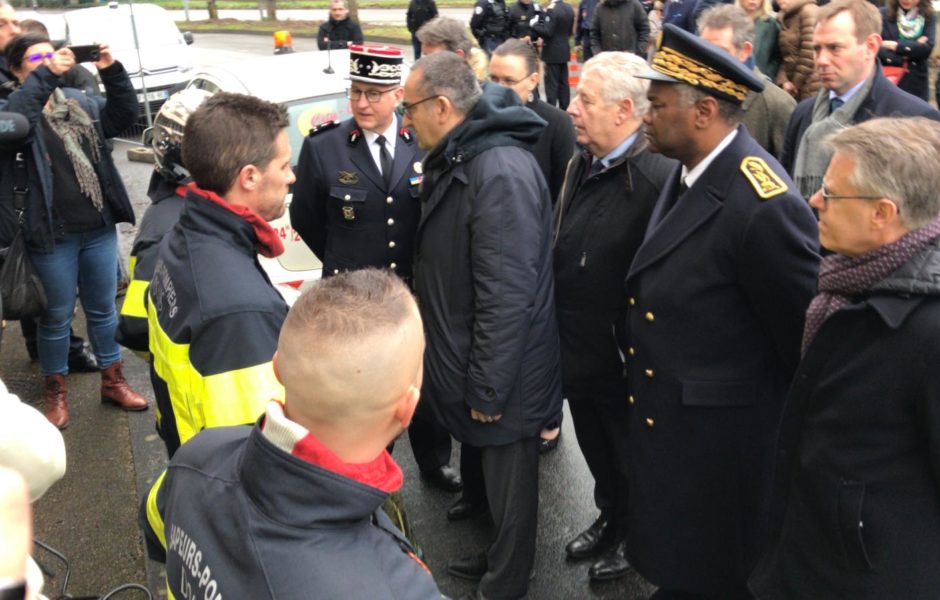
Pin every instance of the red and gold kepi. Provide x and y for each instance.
(684, 58)
(375, 64)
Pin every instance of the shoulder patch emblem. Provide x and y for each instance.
(322, 127)
(765, 182)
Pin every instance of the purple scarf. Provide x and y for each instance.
(841, 277)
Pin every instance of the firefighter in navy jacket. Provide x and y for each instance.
(166, 192)
(290, 508)
(212, 312)
(717, 294)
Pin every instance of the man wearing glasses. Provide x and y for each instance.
(483, 277)
(356, 205)
(856, 510)
(9, 27)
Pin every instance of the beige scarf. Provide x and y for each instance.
(73, 126)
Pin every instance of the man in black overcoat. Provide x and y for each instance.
(356, 205)
(716, 299)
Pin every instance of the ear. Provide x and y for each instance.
(873, 44)
(885, 214)
(406, 405)
(626, 110)
(248, 178)
(746, 49)
(277, 374)
(706, 111)
(399, 94)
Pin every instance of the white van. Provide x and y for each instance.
(160, 48)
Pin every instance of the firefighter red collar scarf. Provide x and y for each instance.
(269, 244)
(382, 473)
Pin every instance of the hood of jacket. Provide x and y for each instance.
(498, 119)
(794, 8)
(919, 276)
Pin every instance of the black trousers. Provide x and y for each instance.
(430, 442)
(600, 425)
(509, 475)
(557, 91)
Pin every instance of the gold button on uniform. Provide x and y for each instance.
(650, 317)
(631, 399)
(391, 222)
(391, 244)
(650, 422)
(632, 301)
(346, 197)
(649, 373)
(393, 266)
(631, 351)
(389, 200)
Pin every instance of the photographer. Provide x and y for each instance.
(70, 211)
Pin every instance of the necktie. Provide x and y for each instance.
(597, 166)
(386, 159)
(835, 103)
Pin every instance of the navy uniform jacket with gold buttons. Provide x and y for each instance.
(717, 295)
(342, 209)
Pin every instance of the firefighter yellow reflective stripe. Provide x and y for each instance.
(153, 513)
(134, 301)
(233, 397)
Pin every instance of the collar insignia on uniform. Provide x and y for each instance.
(418, 167)
(349, 213)
(405, 134)
(348, 178)
(354, 136)
(765, 182)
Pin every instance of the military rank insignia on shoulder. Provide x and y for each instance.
(765, 182)
(323, 127)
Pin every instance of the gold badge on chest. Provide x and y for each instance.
(348, 178)
(349, 213)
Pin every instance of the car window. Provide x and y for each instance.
(115, 30)
(311, 112)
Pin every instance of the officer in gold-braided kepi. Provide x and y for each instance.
(717, 294)
(356, 205)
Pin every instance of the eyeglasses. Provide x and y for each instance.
(408, 108)
(40, 56)
(506, 81)
(826, 196)
(372, 96)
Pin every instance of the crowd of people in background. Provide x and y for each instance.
(722, 248)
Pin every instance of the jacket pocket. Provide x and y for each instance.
(851, 525)
(718, 394)
(347, 194)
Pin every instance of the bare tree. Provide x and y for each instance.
(271, 9)
(213, 10)
(353, 10)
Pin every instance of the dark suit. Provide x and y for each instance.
(342, 209)
(716, 299)
(555, 28)
(884, 100)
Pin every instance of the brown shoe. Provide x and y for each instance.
(114, 389)
(57, 402)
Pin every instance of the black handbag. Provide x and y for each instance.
(20, 287)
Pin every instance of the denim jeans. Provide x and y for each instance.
(86, 261)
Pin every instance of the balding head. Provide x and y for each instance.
(350, 356)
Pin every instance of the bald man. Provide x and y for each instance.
(291, 507)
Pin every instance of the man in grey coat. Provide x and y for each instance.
(483, 277)
(765, 114)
